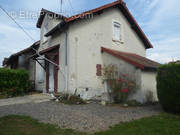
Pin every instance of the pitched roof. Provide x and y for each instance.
(122, 6)
(78, 16)
(35, 45)
(134, 59)
(50, 14)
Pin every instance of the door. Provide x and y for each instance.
(51, 78)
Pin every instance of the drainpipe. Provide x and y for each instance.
(67, 60)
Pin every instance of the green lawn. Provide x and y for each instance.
(164, 124)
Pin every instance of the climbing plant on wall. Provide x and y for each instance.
(120, 85)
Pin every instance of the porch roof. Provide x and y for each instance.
(134, 59)
(15, 55)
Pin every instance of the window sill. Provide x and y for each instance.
(119, 41)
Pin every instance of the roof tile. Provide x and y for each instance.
(133, 59)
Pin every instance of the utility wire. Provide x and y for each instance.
(71, 5)
(17, 24)
(27, 35)
(61, 6)
(34, 41)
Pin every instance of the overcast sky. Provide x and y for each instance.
(159, 19)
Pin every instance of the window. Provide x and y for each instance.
(117, 31)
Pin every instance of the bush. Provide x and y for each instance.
(14, 82)
(69, 99)
(121, 85)
(168, 87)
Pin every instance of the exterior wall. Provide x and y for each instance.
(51, 24)
(32, 69)
(57, 38)
(128, 69)
(39, 78)
(149, 83)
(86, 37)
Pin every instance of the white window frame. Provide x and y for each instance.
(121, 34)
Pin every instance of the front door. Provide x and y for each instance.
(51, 69)
(51, 77)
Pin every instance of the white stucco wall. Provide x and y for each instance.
(149, 83)
(51, 23)
(129, 70)
(40, 78)
(86, 37)
(52, 41)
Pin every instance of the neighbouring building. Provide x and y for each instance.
(22, 60)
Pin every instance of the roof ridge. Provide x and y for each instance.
(46, 10)
(93, 10)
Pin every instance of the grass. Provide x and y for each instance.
(23, 125)
(164, 124)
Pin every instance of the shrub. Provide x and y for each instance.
(69, 99)
(168, 87)
(14, 82)
(121, 85)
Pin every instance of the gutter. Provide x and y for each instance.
(66, 60)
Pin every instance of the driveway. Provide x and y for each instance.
(90, 117)
(35, 98)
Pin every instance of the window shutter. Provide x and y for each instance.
(98, 70)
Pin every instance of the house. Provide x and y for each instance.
(22, 59)
(82, 44)
(73, 51)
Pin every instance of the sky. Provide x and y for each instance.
(159, 19)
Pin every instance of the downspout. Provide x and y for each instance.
(67, 60)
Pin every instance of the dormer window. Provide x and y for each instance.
(117, 31)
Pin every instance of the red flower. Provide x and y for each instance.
(121, 80)
(126, 90)
(124, 75)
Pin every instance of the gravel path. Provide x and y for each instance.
(90, 117)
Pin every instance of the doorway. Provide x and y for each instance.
(51, 78)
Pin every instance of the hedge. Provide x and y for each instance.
(14, 82)
(168, 87)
